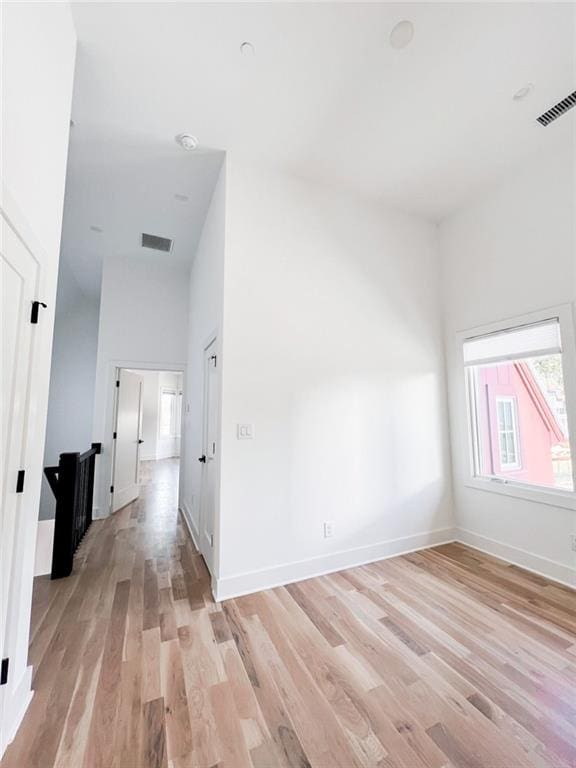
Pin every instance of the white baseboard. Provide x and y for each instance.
(44, 542)
(188, 519)
(542, 566)
(99, 514)
(15, 702)
(255, 581)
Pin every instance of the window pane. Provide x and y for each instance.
(522, 426)
(166, 413)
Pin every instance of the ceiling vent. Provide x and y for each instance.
(558, 110)
(156, 243)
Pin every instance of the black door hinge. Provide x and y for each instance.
(215, 358)
(20, 481)
(111, 489)
(118, 382)
(114, 436)
(4, 671)
(35, 307)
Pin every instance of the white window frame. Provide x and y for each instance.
(557, 497)
(517, 464)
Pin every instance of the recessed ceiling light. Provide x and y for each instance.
(187, 141)
(402, 34)
(181, 198)
(247, 49)
(95, 228)
(523, 92)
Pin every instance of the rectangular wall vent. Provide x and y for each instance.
(558, 110)
(156, 243)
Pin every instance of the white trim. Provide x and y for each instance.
(188, 519)
(536, 493)
(543, 566)
(277, 576)
(98, 515)
(552, 497)
(14, 708)
(105, 469)
(44, 544)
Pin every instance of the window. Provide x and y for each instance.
(170, 412)
(167, 412)
(517, 406)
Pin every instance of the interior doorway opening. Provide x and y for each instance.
(147, 432)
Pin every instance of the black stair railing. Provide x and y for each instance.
(72, 483)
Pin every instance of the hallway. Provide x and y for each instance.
(439, 658)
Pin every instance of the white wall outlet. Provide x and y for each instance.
(328, 529)
(245, 431)
(573, 542)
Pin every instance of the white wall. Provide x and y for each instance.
(205, 320)
(39, 44)
(38, 53)
(71, 399)
(143, 324)
(510, 253)
(333, 350)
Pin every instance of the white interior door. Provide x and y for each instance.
(19, 275)
(127, 453)
(208, 458)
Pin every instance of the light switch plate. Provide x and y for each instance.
(328, 529)
(245, 431)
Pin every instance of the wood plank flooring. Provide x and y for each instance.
(441, 659)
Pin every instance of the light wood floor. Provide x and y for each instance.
(441, 658)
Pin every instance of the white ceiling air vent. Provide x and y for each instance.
(558, 109)
(156, 243)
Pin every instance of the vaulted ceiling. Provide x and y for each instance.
(325, 97)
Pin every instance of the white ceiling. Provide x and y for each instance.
(325, 97)
(125, 185)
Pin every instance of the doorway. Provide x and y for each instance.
(147, 431)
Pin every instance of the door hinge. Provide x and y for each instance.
(35, 307)
(4, 671)
(117, 382)
(111, 489)
(114, 436)
(215, 359)
(20, 481)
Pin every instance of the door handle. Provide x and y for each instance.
(140, 442)
(202, 459)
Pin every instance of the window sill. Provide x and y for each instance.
(551, 497)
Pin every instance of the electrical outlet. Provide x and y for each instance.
(573, 542)
(328, 529)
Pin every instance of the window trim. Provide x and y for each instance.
(557, 497)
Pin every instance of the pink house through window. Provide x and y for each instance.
(522, 434)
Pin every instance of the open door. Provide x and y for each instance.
(127, 450)
(19, 275)
(208, 458)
